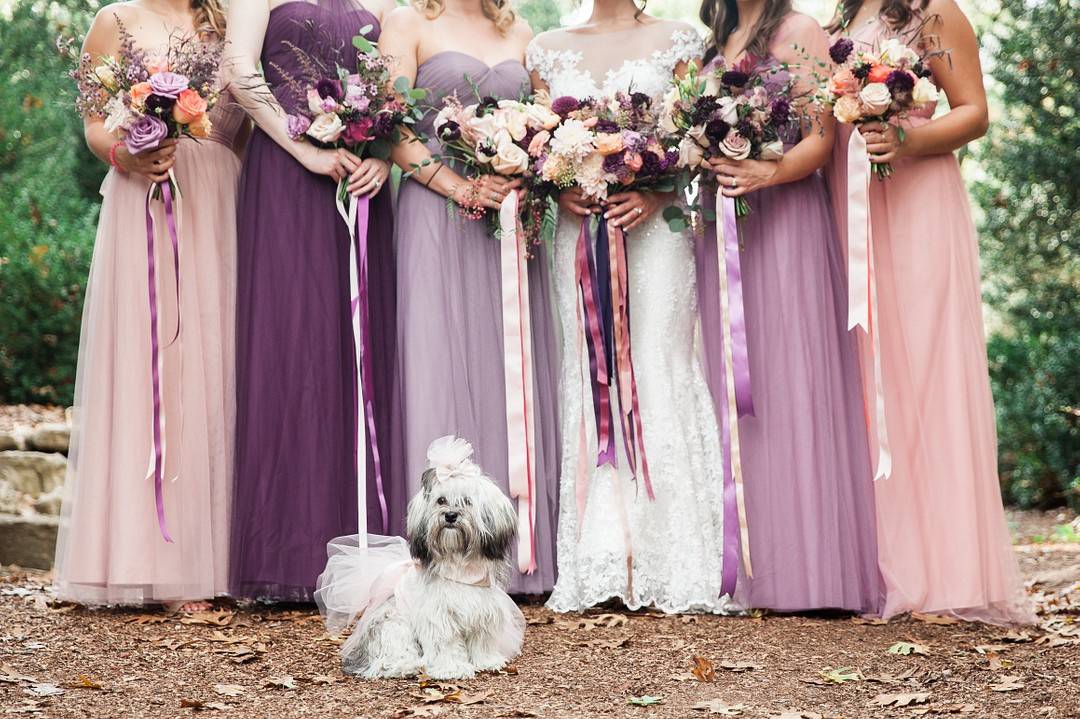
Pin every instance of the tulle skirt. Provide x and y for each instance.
(110, 549)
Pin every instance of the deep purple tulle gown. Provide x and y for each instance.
(295, 478)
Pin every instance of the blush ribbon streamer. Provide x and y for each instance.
(518, 377)
(862, 290)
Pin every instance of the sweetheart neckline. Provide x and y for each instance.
(471, 57)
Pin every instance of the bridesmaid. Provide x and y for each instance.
(296, 379)
(943, 543)
(806, 467)
(450, 363)
(110, 549)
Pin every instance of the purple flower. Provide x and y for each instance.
(780, 112)
(160, 105)
(640, 100)
(716, 131)
(328, 88)
(297, 125)
(607, 126)
(634, 141)
(900, 81)
(734, 78)
(168, 84)
(385, 122)
(614, 162)
(651, 164)
(841, 50)
(146, 133)
(564, 105)
(862, 71)
(450, 131)
(671, 159)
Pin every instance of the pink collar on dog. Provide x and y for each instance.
(473, 575)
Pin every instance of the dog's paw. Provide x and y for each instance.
(450, 670)
(492, 663)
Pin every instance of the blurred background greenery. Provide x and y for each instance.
(1023, 180)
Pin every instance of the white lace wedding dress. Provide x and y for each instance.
(677, 539)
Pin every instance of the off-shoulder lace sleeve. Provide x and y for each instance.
(686, 45)
(541, 60)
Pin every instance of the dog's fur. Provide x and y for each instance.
(446, 617)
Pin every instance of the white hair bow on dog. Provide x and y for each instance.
(451, 457)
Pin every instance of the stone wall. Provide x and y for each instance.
(33, 463)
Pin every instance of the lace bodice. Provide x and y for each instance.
(568, 71)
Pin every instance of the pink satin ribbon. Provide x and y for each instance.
(517, 374)
(862, 289)
(158, 431)
(732, 324)
(357, 217)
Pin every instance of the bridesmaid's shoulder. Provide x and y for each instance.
(944, 11)
(796, 22)
(381, 9)
(404, 19)
(555, 39)
(109, 17)
(520, 31)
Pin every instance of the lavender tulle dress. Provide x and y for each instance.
(806, 466)
(295, 482)
(450, 347)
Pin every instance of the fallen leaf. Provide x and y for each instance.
(221, 638)
(43, 689)
(27, 707)
(985, 648)
(325, 679)
(683, 677)
(539, 620)
(422, 711)
(934, 618)
(906, 648)
(86, 682)
(1016, 637)
(613, 643)
(719, 706)
(220, 618)
(602, 621)
(797, 715)
(474, 698)
(703, 669)
(1008, 683)
(996, 663)
(229, 690)
(690, 619)
(872, 621)
(510, 669)
(900, 700)
(149, 619)
(285, 682)
(203, 706)
(644, 701)
(946, 709)
(11, 675)
(516, 714)
(739, 667)
(840, 675)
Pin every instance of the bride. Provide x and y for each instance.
(665, 552)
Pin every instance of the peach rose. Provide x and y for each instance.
(879, 73)
(843, 82)
(139, 93)
(634, 161)
(608, 143)
(156, 63)
(189, 107)
(539, 141)
(201, 128)
(848, 109)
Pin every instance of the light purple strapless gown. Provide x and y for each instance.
(450, 361)
(806, 465)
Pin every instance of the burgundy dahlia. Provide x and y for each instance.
(734, 78)
(564, 105)
(900, 81)
(716, 131)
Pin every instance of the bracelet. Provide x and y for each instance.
(112, 157)
(437, 170)
(469, 207)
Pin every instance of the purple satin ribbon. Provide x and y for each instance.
(740, 363)
(730, 572)
(155, 350)
(598, 349)
(360, 304)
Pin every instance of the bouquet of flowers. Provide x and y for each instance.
(877, 85)
(740, 113)
(501, 137)
(359, 108)
(144, 98)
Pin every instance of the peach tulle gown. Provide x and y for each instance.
(110, 550)
(943, 543)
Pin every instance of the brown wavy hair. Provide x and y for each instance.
(498, 11)
(722, 17)
(897, 13)
(209, 17)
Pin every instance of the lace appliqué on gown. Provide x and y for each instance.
(676, 540)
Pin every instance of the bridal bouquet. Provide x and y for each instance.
(144, 98)
(877, 85)
(739, 113)
(501, 137)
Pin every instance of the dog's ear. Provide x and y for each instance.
(427, 480)
(416, 529)
(499, 525)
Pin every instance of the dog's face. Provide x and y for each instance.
(461, 518)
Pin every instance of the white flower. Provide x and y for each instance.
(894, 51)
(572, 138)
(590, 176)
(876, 98)
(483, 128)
(697, 134)
(119, 116)
(326, 128)
(729, 110)
(451, 457)
(444, 116)
(773, 150)
(106, 75)
(712, 84)
(925, 92)
(510, 160)
(314, 101)
(541, 116)
(514, 120)
(690, 153)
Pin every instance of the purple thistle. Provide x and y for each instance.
(640, 100)
(862, 71)
(900, 81)
(841, 50)
(159, 104)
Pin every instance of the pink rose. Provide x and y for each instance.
(634, 161)
(843, 82)
(735, 146)
(358, 131)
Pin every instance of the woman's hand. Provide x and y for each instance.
(337, 164)
(575, 202)
(740, 177)
(154, 164)
(629, 209)
(883, 141)
(486, 191)
(368, 178)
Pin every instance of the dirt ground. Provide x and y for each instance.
(57, 660)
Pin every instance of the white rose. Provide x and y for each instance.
(314, 101)
(697, 134)
(735, 146)
(106, 76)
(514, 121)
(690, 153)
(510, 160)
(712, 84)
(876, 98)
(925, 92)
(729, 110)
(541, 116)
(118, 117)
(773, 150)
(894, 51)
(667, 123)
(326, 128)
(484, 127)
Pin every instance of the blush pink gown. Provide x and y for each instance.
(110, 550)
(943, 543)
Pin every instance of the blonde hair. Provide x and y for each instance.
(209, 17)
(498, 11)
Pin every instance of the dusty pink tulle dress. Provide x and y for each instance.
(942, 539)
(110, 550)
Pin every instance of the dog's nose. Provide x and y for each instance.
(451, 517)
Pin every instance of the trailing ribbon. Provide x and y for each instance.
(862, 288)
(158, 444)
(732, 323)
(517, 373)
(594, 340)
(356, 218)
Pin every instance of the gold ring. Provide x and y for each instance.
(734, 182)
